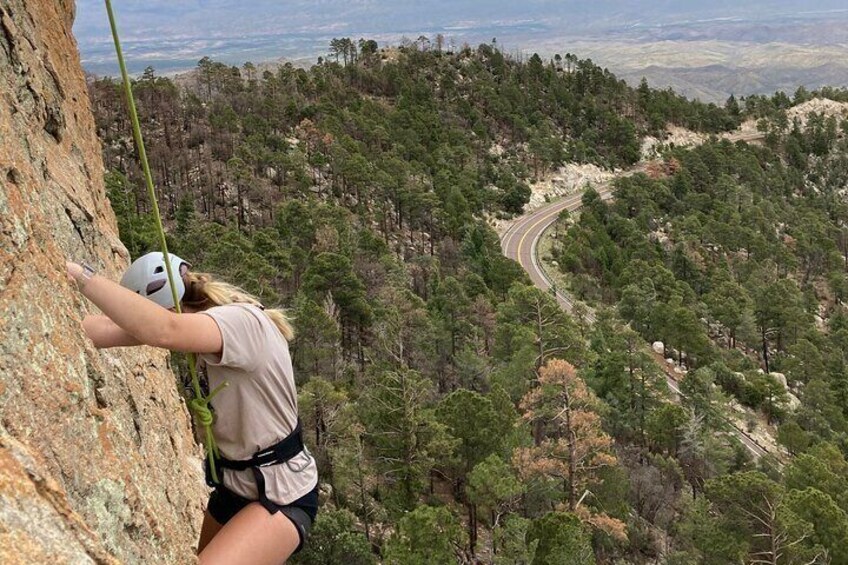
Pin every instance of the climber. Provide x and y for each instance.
(266, 502)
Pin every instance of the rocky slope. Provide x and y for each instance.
(97, 460)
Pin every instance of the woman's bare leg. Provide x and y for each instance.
(207, 531)
(254, 537)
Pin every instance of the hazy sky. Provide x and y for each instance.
(178, 32)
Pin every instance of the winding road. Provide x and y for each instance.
(521, 239)
(519, 243)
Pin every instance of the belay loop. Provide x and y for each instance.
(200, 403)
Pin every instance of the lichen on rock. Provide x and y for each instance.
(97, 459)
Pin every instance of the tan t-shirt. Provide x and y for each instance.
(258, 407)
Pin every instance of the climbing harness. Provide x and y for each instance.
(200, 403)
(282, 452)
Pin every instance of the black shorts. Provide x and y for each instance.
(224, 504)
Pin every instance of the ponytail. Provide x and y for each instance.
(203, 291)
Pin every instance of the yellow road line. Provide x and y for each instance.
(566, 203)
(545, 218)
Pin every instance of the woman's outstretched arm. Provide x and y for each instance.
(106, 333)
(145, 320)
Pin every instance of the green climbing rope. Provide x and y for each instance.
(200, 403)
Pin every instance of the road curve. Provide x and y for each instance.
(519, 243)
(521, 239)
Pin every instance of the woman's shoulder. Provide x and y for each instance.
(236, 308)
(241, 313)
(245, 334)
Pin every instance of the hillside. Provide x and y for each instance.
(358, 193)
(733, 258)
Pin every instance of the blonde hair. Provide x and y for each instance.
(203, 291)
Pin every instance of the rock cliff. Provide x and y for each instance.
(97, 460)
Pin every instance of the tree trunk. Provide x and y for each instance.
(572, 471)
(472, 528)
(365, 521)
(765, 350)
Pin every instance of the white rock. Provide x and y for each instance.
(781, 378)
(567, 179)
(794, 401)
(817, 106)
(658, 347)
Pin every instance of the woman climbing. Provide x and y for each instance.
(264, 506)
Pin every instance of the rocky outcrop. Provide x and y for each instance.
(97, 460)
(567, 179)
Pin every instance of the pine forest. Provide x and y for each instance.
(457, 412)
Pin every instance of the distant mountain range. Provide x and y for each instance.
(713, 70)
(702, 49)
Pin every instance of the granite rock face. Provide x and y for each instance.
(97, 459)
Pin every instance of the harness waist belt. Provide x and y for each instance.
(281, 452)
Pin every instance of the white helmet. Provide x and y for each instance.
(148, 277)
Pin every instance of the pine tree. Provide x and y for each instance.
(573, 447)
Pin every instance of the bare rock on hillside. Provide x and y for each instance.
(675, 136)
(568, 179)
(829, 108)
(801, 112)
(97, 460)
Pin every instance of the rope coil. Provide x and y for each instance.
(200, 403)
